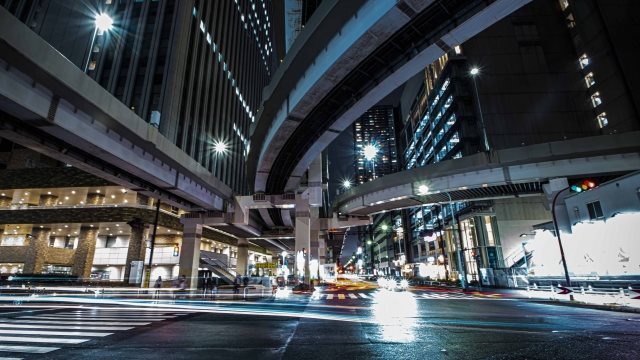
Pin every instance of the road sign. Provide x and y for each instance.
(267, 265)
(564, 290)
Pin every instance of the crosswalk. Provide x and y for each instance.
(47, 332)
(446, 295)
(372, 295)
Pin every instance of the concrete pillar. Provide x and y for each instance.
(322, 249)
(190, 253)
(37, 251)
(242, 260)
(303, 234)
(95, 199)
(48, 200)
(137, 246)
(83, 257)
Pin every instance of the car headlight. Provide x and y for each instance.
(404, 284)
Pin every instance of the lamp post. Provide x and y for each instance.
(557, 233)
(474, 73)
(370, 152)
(220, 148)
(103, 22)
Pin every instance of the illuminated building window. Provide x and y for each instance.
(589, 80)
(595, 210)
(602, 120)
(457, 49)
(564, 4)
(595, 99)
(584, 61)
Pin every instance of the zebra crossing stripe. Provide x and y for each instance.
(364, 296)
(42, 340)
(54, 333)
(80, 318)
(64, 327)
(330, 297)
(341, 296)
(28, 349)
(352, 296)
(127, 323)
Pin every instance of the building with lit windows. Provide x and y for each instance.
(56, 219)
(194, 69)
(375, 144)
(536, 79)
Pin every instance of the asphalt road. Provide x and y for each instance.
(357, 325)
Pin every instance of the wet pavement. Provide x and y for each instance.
(379, 325)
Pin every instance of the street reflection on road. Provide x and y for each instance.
(395, 313)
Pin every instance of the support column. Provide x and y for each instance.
(83, 257)
(242, 261)
(37, 251)
(137, 246)
(322, 248)
(303, 236)
(190, 252)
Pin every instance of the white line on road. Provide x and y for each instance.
(82, 318)
(330, 297)
(127, 323)
(353, 296)
(27, 349)
(341, 296)
(364, 296)
(64, 327)
(6, 358)
(43, 340)
(54, 333)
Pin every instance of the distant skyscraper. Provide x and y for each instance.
(375, 132)
(193, 68)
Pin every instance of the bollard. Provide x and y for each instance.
(535, 286)
(582, 290)
(590, 288)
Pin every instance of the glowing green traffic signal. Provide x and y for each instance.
(585, 185)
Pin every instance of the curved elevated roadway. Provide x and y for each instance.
(349, 57)
(502, 173)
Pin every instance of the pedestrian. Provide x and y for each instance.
(157, 286)
(245, 281)
(183, 283)
(236, 284)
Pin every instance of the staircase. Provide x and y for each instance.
(217, 265)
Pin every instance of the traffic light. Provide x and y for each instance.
(584, 185)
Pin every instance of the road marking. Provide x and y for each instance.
(330, 297)
(127, 323)
(64, 327)
(6, 358)
(54, 333)
(27, 349)
(43, 340)
(341, 296)
(352, 296)
(364, 296)
(80, 318)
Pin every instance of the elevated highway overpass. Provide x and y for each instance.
(512, 172)
(350, 56)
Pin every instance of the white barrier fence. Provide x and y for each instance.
(599, 296)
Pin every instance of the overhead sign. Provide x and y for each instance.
(266, 265)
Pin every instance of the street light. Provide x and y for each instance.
(103, 22)
(346, 184)
(370, 152)
(220, 148)
(474, 72)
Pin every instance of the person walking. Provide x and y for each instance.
(157, 286)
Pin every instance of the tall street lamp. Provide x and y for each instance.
(103, 22)
(220, 148)
(557, 233)
(370, 152)
(474, 72)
